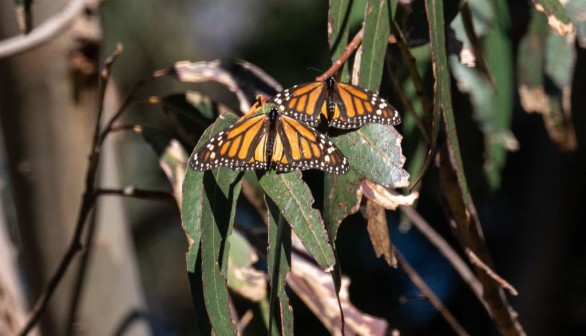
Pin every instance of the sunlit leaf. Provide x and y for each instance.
(374, 151)
(385, 197)
(294, 199)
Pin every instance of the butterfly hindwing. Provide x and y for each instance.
(306, 148)
(355, 106)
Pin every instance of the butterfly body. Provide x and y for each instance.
(343, 105)
(268, 141)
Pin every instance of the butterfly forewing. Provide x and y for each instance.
(234, 147)
(302, 102)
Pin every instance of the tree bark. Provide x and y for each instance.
(47, 115)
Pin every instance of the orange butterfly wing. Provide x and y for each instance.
(305, 148)
(304, 102)
(345, 106)
(351, 106)
(270, 141)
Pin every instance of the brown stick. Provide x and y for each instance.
(425, 290)
(446, 250)
(45, 32)
(350, 48)
(480, 264)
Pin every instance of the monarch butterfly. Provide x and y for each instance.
(270, 140)
(344, 105)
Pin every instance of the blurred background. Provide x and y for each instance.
(136, 282)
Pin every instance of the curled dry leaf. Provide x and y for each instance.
(557, 119)
(244, 79)
(379, 234)
(173, 162)
(316, 289)
(386, 197)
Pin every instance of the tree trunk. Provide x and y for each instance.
(47, 115)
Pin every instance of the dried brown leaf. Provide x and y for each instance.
(378, 232)
(386, 197)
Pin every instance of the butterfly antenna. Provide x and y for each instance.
(315, 69)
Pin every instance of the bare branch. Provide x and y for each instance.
(480, 264)
(446, 250)
(429, 294)
(45, 33)
(350, 48)
(132, 192)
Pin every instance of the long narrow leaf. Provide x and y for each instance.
(374, 46)
(294, 199)
(197, 213)
(453, 179)
(279, 255)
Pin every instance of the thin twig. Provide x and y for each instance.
(81, 276)
(409, 106)
(350, 48)
(139, 193)
(87, 204)
(446, 250)
(480, 264)
(74, 247)
(429, 294)
(127, 101)
(421, 93)
(45, 33)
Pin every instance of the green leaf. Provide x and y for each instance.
(556, 15)
(443, 97)
(374, 46)
(220, 193)
(294, 198)
(340, 199)
(339, 26)
(374, 151)
(243, 277)
(493, 109)
(279, 263)
(205, 202)
(452, 177)
(543, 54)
